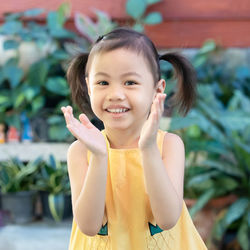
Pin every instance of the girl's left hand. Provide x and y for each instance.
(150, 128)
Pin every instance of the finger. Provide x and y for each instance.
(159, 103)
(72, 130)
(71, 117)
(67, 117)
(63, 109)
(163, 97)
(155, 109)
(85, 121)
(69, 108)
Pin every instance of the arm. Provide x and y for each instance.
(164, 179)
(88, 181)
(88, 188)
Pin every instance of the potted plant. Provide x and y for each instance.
(17, 189)
(54, 187)
(218, 138)
(32, 70)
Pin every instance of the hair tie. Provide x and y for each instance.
(99, 38)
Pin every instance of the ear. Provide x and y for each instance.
(160, 86)
(87, 82)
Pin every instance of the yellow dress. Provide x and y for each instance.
(130, 224)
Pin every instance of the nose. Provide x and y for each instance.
(116, 93)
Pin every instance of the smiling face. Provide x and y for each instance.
(121, 88)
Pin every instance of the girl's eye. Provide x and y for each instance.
(128, 83)
(103, 83)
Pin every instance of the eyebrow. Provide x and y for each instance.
(125, 74)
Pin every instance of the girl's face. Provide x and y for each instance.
(121, 89)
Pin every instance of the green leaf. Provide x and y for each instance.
(10, 44)
(13, 16)
(38, 73)
(248, 217)
(136, 8)
(219, 227)
(58, 132)
(60, 55)
(226, 184)
(54, 21)
(11, 27)
(85, 26)
(19, 100)
(64, 10)
(236, 210)
(243, 235)
(149, 2)
(223, 167)
(202, 201)
(138, 27)
(24, 173)
(30, 92)
(13, 120)
(207, 47)
(4, 100)
(235, 120)
(33, 12)
(62, 33)
(104, 23)
(56, 206)
(55, 119)
(242, 72)
(153, 18)
(57, 85)
(239, 101)
(13, 73)
(37, 104)
(194, 131)
(201, 178)
(52, 161)
(200, 60)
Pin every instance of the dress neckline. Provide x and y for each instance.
(118, 149)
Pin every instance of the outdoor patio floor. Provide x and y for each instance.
(38, 235)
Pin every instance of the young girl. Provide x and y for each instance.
(127, 180)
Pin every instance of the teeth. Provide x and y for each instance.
(117, 110)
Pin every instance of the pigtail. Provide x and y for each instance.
(77, 83)
(186, 81)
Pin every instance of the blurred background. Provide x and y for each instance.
(37, 41)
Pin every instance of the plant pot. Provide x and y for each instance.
(20, 206)
(206, 217)
(47, 210)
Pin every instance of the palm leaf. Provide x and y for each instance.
(202, 201)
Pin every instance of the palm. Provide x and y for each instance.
(150, 127)
(85, 131)
(147, 132)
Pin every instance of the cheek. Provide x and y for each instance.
(97, 101)
(144, 104)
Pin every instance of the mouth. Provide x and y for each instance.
(117, 111)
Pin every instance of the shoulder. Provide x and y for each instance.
(172, 138)
(77, 151)
(172, 142)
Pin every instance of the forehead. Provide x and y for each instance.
(119, 60)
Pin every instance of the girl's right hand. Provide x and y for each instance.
(85, 131)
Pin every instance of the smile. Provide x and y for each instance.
(117, 111)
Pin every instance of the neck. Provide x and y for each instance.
(122, 139)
